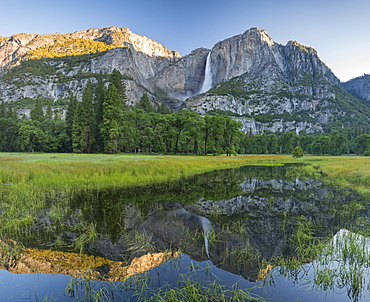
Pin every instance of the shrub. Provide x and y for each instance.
(297, 152)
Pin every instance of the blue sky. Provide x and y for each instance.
(338, 29)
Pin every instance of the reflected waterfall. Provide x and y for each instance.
(206, 225)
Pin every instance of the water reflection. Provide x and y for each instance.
(251, 210)
(239, 219)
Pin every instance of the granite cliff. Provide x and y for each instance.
(360, 87)
(265, 85)
(57, 66)
(275, 87)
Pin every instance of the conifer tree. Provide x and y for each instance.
(11, 113)
(83, 123)
(71, 110)
(116, 79)
(163, 109)
(2, 109)
(9, 134)
(111, 120)
(99, 97)
(37, 114)
(9, 128)
(145, 104)
(49, 112)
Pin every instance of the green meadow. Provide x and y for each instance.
(65, 172)
(30, 180)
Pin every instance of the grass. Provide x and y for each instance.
(64, 172)
(10, 253)
(30, 182)
(351, 172)
(344, 263)
(139, 288)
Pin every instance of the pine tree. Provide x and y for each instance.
(9, 134)
(116, 79)
(111, 120)
(2, 109)
(11, 113)
(71, 110)
(49, 112)
(99, 97)
(37, 114)
(145, 104)
(83, 123)
(163, 109)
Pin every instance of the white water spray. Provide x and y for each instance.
(207, 83)
(206, 225)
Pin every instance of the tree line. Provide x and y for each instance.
(102, 122)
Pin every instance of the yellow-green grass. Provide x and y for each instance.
(86, 171)
(67, 171)
(29, 181)
(349, 171)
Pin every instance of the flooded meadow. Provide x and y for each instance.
(254, 233)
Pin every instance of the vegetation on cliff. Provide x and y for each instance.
(72, 47)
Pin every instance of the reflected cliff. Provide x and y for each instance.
(237, 218)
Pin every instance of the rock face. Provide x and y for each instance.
(256, 53)
(185, 77)
(265, 85)
(272, 87)
(12, 49)
(360, 86)
(50, 86)
(137, 57)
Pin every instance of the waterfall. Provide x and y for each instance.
(207, 83)
(199, 220)
(206, 225)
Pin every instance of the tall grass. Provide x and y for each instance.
(32, 182)
(140, 288)
(10, 253)
(353, 172)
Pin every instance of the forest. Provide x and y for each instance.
(103, 123)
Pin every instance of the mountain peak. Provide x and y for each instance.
(264, 36)
(24, 46)
(307, 49)
(120, 36)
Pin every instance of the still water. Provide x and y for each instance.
(255, 226)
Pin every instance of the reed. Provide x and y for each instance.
(10, 253)
(139, 288)
(353, 172)
(139, 243)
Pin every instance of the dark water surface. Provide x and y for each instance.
(228, 224)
